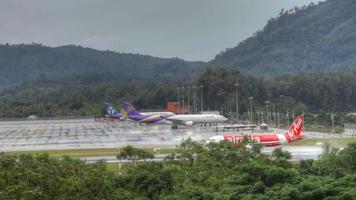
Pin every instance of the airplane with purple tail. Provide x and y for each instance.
(145, 117)
(171, 118)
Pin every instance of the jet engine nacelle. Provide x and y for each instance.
(189, 123)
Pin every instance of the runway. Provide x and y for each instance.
(88, 134)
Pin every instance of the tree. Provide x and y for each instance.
(134, 155)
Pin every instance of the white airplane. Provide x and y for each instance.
(192, 119)
(157, 113)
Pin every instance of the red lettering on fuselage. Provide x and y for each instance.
(264, 139)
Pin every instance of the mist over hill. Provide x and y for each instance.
(311, 38)
(78, 65)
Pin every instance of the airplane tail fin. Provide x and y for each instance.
(129, 109)
(110, 110)
(294, 131)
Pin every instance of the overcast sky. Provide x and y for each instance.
(189, 29)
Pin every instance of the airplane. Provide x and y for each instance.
(146, 118)
(192, 119)
(171, 118)
(268, 139)
(111, 114)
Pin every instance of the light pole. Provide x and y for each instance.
(183, 106)
(178, 98)
(333, 124)
(237, 102)
(267, 103)
(250, 99)
(188, 94)
(194, 99)
(287, 115)
(279, 122)
(201, 98)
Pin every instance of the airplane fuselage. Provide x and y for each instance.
(267, 139)
(197, 119)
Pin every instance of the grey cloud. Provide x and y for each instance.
(190, 29)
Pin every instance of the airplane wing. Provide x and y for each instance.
(179, 121)
(176, 121)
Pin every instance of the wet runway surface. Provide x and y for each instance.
(85, 133)
(88, 134)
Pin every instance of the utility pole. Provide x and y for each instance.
(194, 99)
(237, 102)
(201, 98)
(250, 99)
(178, 88)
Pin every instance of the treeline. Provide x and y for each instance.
(328, 92)
(197, 171)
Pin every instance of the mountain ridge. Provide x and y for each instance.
(25, 62)
(318, 37)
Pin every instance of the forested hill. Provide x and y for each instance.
(311, 38)
(83, 65)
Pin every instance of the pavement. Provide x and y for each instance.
(88, 134)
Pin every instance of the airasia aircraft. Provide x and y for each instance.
(268, 139)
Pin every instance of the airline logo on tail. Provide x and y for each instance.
(109, 109)
(296, 127)
(268, 139)
(111, 112)
(130, 110)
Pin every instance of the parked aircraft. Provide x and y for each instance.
(192, 119)
(147, 118)
(110, 114)
(268, 139)
(171, 118)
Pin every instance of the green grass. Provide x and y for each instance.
(337, 142)
(85, 152)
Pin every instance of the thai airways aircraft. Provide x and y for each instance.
(147, 118)
(268, 139)
(171, 118)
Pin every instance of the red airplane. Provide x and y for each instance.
(268, 139)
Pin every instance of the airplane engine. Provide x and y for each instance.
(189, 123)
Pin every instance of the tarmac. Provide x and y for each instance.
(88, 134)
